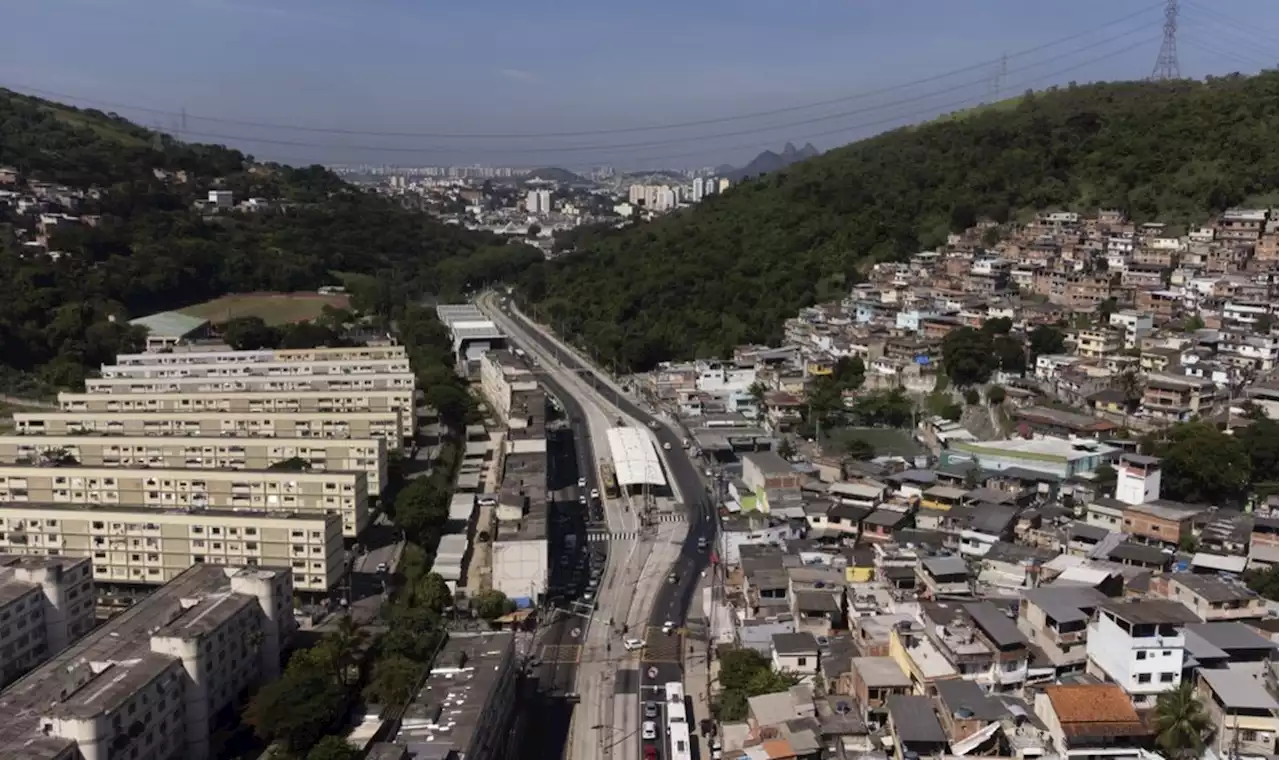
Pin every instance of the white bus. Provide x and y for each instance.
(677, 722)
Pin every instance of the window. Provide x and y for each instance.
(800, 661)
(1144, 678)
(1167, 677)
(1142, 654)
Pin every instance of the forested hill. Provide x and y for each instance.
(136, 243)
(731, 269)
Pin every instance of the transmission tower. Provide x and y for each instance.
(997, 82)
(1167, 62)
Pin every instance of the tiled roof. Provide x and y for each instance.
(1091, 703)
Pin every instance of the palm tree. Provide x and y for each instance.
(345, 642)
(1181, 722)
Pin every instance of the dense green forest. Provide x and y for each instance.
(731, 269)
(151, 251)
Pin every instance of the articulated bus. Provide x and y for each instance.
(677, 722)
(608, 482)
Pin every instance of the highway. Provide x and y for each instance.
(672, 600)
(559, 644)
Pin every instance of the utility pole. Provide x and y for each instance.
(1166, 67)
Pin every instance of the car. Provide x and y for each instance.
(668, 627)
(582, 482)
(649, 730)
(650, 752)
(383, 567)
(673, 578)
(582, 499)
(632, 645)
(653, 424)
(666, 446)
(595, 493)
(650, 709)
(702, 543)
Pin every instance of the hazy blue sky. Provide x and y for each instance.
(496, 66)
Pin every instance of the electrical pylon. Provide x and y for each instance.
(1167, 61)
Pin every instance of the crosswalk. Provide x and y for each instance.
(601, 536)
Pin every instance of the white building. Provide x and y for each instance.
(222, 198)
(1140, 646)
(149, 683)
(538, 202)
(1134, 324)
(50, 601)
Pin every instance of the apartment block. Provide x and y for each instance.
(1177, 398)
(400, 400)
(363, 455)
(45, 604)
(253, 384)
(147, 545)
(503, 375)
(341, 493)
(258, 369)
(153, 682)
(385, 426)
(230, 356)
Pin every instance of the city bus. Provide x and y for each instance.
(677, 722)
(608, 482)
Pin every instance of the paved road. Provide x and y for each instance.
(673, 600)
(560, 644)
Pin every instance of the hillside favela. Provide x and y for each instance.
(836, 382)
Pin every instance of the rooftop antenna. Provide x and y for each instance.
(1166, 67)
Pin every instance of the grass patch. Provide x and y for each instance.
(98, 127)
(272, 308)
(886, 441)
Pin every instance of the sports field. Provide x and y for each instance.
(272, 308)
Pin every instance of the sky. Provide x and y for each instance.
(486, 81)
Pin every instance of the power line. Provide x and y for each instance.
(596, 132)
(1248, 42)
(571, 149)
(970, 102)
(1167, 59)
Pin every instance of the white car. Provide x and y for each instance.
(649, 730)
(595, 493)
(582, 482)
(668, 627)
(632, 645)
(666, 446)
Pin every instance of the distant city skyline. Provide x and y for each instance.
(459, 83)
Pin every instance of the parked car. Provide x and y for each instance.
(650, 709)
(632, 645)
(649, 731)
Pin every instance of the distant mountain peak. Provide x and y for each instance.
(768, 161)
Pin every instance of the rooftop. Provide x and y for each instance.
(1094, 709)
(914, 720)
(880, 672)
(1150, 611)
(445, 713)
(169, 324)
(1040, 449)
(89, 677)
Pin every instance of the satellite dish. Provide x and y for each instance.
(963, 713)
(843, 708)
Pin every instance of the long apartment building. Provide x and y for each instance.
(260, 369)
(229, 356)
(151, 683)
(45, 604)
(400, 400)
(149, 545)
(384, 425)
(343, 493)
(367, 455)
(124, 385)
